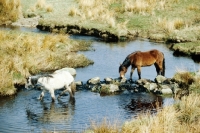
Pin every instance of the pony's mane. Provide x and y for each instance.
(127, 60)
(34, 79)
(46, 75)
(133, 53)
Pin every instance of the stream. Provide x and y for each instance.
(25, 113)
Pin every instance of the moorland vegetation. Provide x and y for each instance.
(172, 21)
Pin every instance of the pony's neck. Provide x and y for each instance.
(126, 62)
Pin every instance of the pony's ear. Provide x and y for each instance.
(28, 77)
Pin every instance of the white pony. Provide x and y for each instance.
(50, 82)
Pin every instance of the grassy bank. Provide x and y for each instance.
(168, 21)
(172, 21)
(191, 49)
(23, 54)
(181, 117)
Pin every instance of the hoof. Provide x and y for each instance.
(40, 98)
(53, 100)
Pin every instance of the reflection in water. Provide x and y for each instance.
(141, 105)
(52, 112)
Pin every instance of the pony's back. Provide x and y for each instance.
(57, 80)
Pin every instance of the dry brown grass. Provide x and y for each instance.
(184, 116)
(179, 118)
(185, 77)
(97, 10)
(23, 54)
(169, 26)
(10, 10)
(73, 11)
(193, 7)
(38, 7)
(104, 127)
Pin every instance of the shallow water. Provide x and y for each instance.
(24, 113)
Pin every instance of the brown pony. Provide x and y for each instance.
(140, 59)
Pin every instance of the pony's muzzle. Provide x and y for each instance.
(121, 75)
(28, 86)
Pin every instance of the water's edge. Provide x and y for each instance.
(23, 112)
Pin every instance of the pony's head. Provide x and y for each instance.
(31, 81)
(122, 71)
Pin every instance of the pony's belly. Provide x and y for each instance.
(147, 65)
(56, 86)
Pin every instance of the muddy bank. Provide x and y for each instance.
(78, 30)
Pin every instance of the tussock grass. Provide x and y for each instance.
(170, 26)
(37, 8)
(42, 5)
(181, 117)
(189, 110)
(104, 127)
(10, 10)
(193, 7)
(73, 11)
(23, 54)
(184, 77)
(97, 10)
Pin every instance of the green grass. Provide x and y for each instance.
(189, 48)
(154, 19)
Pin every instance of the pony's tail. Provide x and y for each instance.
(73, 88)
(163, 72)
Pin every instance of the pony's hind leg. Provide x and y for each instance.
(163, 67)
(157, 69)
(139, 72)
(63, 92)
(69, 89)
(73, 88)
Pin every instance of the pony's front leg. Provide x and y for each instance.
(41, 95)
(132, 70)
(51, 91)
